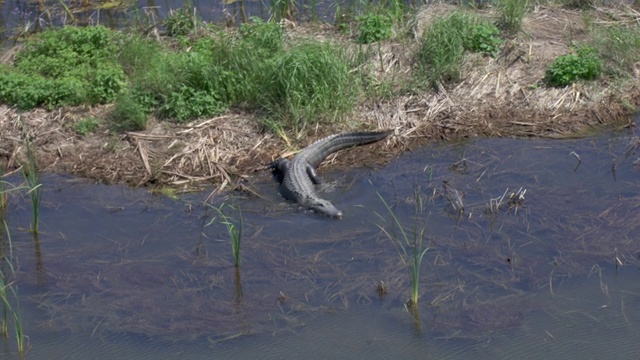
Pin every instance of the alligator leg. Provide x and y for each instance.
(313, 175)
(279, 169)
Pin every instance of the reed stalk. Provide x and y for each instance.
(234, 228)
(8, 290)
(32, 178)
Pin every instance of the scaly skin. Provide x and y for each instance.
(298, 176)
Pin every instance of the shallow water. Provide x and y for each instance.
(120, 272)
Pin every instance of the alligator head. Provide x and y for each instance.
(325, 207)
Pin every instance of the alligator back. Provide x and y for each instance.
(319, 150)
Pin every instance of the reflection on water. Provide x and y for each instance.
(132, 273)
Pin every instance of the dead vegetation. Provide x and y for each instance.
(497, 97)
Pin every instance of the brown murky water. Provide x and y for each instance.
(119, 272)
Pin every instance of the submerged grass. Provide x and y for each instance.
(409, 243)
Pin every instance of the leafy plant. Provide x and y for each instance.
(584, 64)
(188, 103)
(374, 27)
(484, 38)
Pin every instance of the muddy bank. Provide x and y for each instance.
(498, 97)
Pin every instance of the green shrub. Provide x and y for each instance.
(85, 126)
(24, 91)
(310, 83)
(374, 27)
(188, 103)
(67, 66)
(584, 64)
(55, 53)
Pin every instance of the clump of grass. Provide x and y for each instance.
(409, 243)
(234, 228)
(128, 114)
(444, 43)
(182, 22)
(619, 48)
(68, 66)
(511, 14)
(374, 27)
(584, 64)
(311, 83)
(86, 126)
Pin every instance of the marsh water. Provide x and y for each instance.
(120, 272)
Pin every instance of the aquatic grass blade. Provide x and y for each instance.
(234, 229)
(410, 250)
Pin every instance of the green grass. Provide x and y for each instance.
(618, 47)
(444, 43)
(407, 240)
(234, 225)
(310, 83)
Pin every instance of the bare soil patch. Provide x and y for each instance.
(497, 97)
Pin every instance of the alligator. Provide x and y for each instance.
(298, 176)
